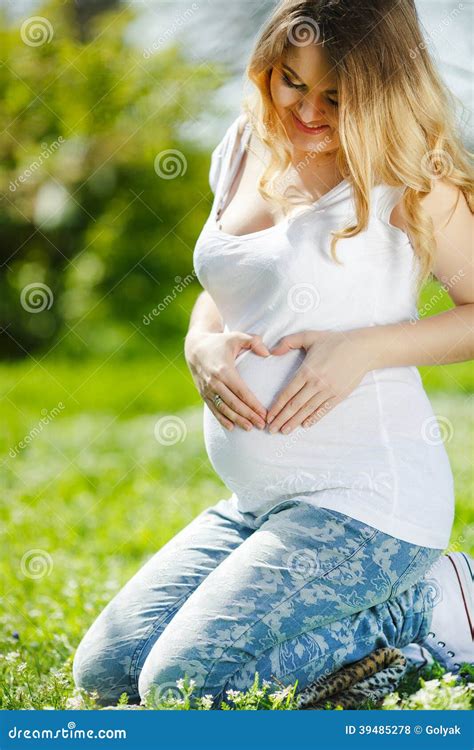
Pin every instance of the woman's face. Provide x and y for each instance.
(303, 87)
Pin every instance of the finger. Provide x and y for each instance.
(228, 393)
(321, 411)
(226, 406)
(304, 412)
(292, 341)
(224, 410)
(291, 390)
(293, 406)
(258, 345)
(239, 388)
(220, 417)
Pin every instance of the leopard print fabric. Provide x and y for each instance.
(371, 678)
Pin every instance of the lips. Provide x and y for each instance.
(305, 129)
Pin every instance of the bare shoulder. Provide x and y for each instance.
(444, 199)
(453, 231)
(440, 203)
(397, 217)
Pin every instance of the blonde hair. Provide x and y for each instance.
(396, 122)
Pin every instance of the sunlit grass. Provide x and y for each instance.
(92, 495)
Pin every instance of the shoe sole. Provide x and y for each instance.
(464, 573)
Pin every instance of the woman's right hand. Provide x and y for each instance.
(211, 359)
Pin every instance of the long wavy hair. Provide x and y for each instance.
(397, 122)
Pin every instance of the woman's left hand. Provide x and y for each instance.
(335, 363)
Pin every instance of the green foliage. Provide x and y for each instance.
(85, 211)
(97, 494)
(258, 697)
(444, 693)
(459, 376)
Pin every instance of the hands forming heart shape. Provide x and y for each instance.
(334, 364)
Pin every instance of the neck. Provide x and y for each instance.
(312, 163)
(316, 159)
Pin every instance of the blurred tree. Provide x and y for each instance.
(98, 220)
(84, 12)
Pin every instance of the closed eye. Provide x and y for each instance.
(292, 85)
(302, 86)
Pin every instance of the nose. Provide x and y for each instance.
(311, 111)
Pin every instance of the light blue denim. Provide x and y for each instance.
(295, 593)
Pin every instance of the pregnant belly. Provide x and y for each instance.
(261, 467)
(375, 444)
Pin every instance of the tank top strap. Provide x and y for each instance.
(225, 160)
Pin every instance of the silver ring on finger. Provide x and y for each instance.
(217, 400)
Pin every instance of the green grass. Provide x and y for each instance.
(96, 494)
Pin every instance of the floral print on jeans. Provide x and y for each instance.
(294, 593)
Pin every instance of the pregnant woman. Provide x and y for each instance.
(337, 191)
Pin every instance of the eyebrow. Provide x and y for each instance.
(293, 73)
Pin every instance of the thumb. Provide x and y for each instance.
(254, 342)
(292, 341)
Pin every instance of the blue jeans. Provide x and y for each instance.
(295, 593)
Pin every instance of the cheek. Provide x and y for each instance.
(282, 96)
(333, 117)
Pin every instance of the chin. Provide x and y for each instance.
(322, 143)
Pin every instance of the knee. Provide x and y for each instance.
(161, 674)
(98, 667)
(89, 671)
(83, 669)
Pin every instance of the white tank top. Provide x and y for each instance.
(378, 455)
